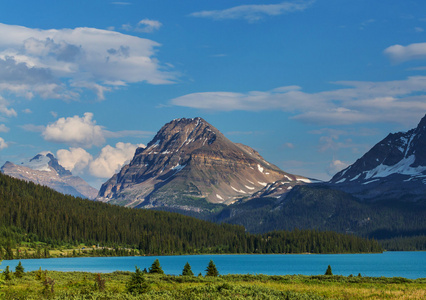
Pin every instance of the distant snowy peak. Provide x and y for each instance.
(45, 161)
(399, 154)
(44, 169)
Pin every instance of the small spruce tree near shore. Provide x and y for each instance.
(212, 270)
(19, 270)
(7, 274)
(328, 271)
(187, 270)
(156, 268)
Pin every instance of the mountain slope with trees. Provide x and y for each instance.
(43, 214)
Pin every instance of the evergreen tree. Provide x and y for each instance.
(211, 269)
(19, 270)
(1, 279)
(7, 274)
(187, 270)
(328, 271)
(156, 268)
(137, 284)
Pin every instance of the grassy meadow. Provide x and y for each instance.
(83, 285)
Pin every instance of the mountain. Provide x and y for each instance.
(44, 169)
(382, 195)
(395, 168)
(191, 166)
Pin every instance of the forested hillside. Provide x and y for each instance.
(397, 225)
(41, 214)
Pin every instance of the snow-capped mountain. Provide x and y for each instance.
(44, 169)
(395, 167)
(188, 165)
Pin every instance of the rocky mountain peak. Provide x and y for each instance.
(400, 157)
(189, 159)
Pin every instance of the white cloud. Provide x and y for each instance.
(399, 54)
(9, 112)
(27, 111)
(400, 101)
(74, 160)
(4, 128)
(3, 144)
(75, 131)
(336, 166)
(255, 12)
(145, 25)
(54, 63)
(148, 26)
(111, 159)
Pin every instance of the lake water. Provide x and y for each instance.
(389, 264)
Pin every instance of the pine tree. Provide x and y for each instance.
(7, 274)
(187, 270)
(137, 284)
(156, 268)
(211, 269)
(19, 270)
(328, 272)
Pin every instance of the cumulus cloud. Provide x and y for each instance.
(255, 12)
(3, 144)
(111, 159)
(336, 166)
(75, 131)
(55, 63)
(74, 159)
(108, 162)
(396, 101)
(399, 53)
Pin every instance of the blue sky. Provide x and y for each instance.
(312, 85)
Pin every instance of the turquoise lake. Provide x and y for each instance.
(389, 264)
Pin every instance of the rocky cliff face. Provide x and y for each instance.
(393, 168)
(44, 169)
(188, 163)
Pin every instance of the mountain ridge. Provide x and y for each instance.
(44, 169)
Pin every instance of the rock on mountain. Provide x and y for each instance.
(394, 168)
(44, 169)
(189, 165)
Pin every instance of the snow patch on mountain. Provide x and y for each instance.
(39, 163)
(402, 167)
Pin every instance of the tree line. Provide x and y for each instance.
(31, 213)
